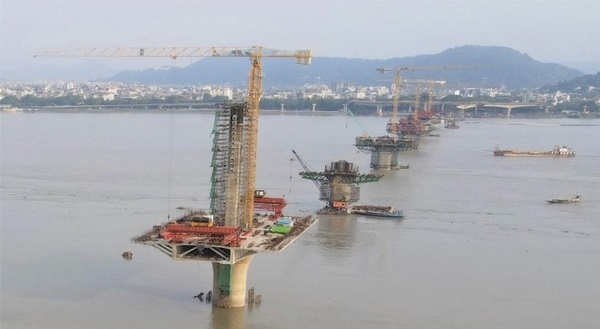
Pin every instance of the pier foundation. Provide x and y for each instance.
(384, 160)
(229, 283)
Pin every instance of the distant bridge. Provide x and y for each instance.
(508, 106)
(461, 106)
(378, 105)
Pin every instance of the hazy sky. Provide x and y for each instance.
(549, 31)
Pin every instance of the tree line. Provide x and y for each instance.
(296, 104)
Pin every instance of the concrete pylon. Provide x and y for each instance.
(229, 283)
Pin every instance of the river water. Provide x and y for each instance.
(479, 246)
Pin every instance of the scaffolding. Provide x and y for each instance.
(385, 150)
(340, 184)
(228, 179)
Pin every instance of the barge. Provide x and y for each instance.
(377, 211)
(574, 199)
(557, 151)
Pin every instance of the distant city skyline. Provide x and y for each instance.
(549, 31)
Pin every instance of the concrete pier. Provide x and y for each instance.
(385, 150)
(224, 235)
(338, 184)
(230, 254)
(229, 283)
(384, 159)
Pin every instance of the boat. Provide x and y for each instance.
(557, 151)
(10, 109)
(377, 211)
(451, 124)
(574, 199)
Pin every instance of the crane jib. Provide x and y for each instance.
(302, 56)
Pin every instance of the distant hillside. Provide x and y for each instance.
(587, 84)
(495, 67)
(585, 67)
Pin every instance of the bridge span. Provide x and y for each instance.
(509, 107)
(462, 107)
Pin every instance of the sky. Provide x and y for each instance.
(561, 31)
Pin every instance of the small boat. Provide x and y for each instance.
(377, 211)
(451, 124)
(574, 199)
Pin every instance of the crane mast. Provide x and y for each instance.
(417, 102)
(395, 105)
(255, 53)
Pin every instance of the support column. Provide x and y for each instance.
(384, 160)
(394, 163)
(229, 283)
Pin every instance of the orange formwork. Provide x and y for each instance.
(201, 230)
(274, 205)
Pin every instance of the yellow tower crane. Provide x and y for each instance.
(430, 92)
(417, 102)
(255, 53)
(397, 81)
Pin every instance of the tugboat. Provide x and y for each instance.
(377, 211)
(574, 199)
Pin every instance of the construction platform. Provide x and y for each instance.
(387, 143)
(192, 239)
(385, 150)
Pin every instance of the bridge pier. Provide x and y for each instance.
(345, 108)
(229, 283)
(379, 110)
(384, 159)
(314, 107)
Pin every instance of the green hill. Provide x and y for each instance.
(588, 85)
(482, 66)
